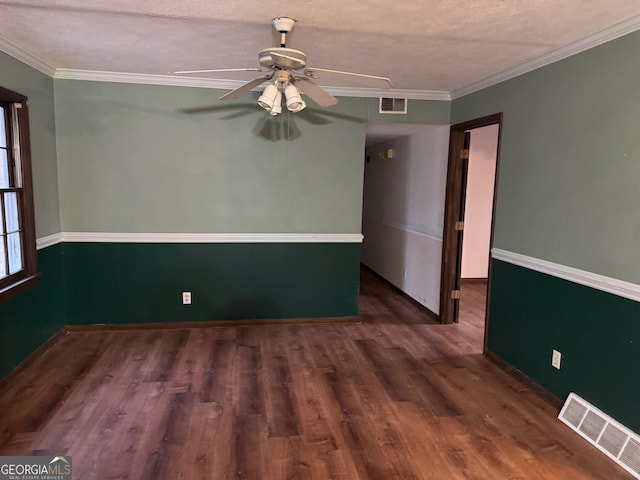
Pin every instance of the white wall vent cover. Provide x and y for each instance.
(393, 105)
(615, 440)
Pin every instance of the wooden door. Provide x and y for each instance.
(459, 139)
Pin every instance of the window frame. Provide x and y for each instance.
(26, 278)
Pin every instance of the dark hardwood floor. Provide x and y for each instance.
(393, 397)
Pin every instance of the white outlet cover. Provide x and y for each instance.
(556, 358)
(186, 298)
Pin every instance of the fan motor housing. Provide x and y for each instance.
(296, 59)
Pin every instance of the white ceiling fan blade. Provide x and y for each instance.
(215, 70)
(360, 79)
(315, 92)
(246, 87)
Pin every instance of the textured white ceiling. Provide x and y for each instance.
(419, 44)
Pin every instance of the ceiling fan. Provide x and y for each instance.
(288, 74)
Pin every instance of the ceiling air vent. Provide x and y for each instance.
(393, 105)
(613, 439)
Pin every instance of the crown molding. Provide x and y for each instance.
(575, 275)
(603, 36)
(144, 78)
(201, 82)
(111, 237)
(25, 57)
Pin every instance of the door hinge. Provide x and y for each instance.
(459, 226)
(455, 294)
(464, 154)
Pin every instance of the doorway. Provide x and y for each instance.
(456, 206)
(405, 169)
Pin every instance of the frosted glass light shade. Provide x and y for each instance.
(294, 100)
(277, 104)
(267, 99)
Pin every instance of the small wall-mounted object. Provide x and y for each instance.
(393, 105)
(609, 436)
(386, 154)
(186, 298)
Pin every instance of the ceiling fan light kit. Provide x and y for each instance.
(268, 97)
(277, 105)
(294, 100)
(289, 75)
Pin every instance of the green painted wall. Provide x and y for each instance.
(133, 283)
(568, 192)
(570, 165)
(38, 87)
(137, 158)
(132, 160)
(596, 332)
(31, 318)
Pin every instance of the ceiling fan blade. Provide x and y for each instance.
(315, 92)
(246, 87)
(359, 79)
(215, 70)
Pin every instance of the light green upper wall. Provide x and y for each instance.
(38, 87)
(132, 160)
(569, 187)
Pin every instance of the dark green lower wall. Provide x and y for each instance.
(135, 282)
(30, 319)
(597, 333)
(93, 283)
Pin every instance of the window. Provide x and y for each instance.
(18, 265)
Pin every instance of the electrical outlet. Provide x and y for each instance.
(186, 298)
(556, 357)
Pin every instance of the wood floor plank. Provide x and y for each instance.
(281, 409)
(327, 452)
(248, 365)
(211, 446)
(172, 431)
(125, 448)
(168, 349)
(367, 454)
(247, 453)
(218, 372)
